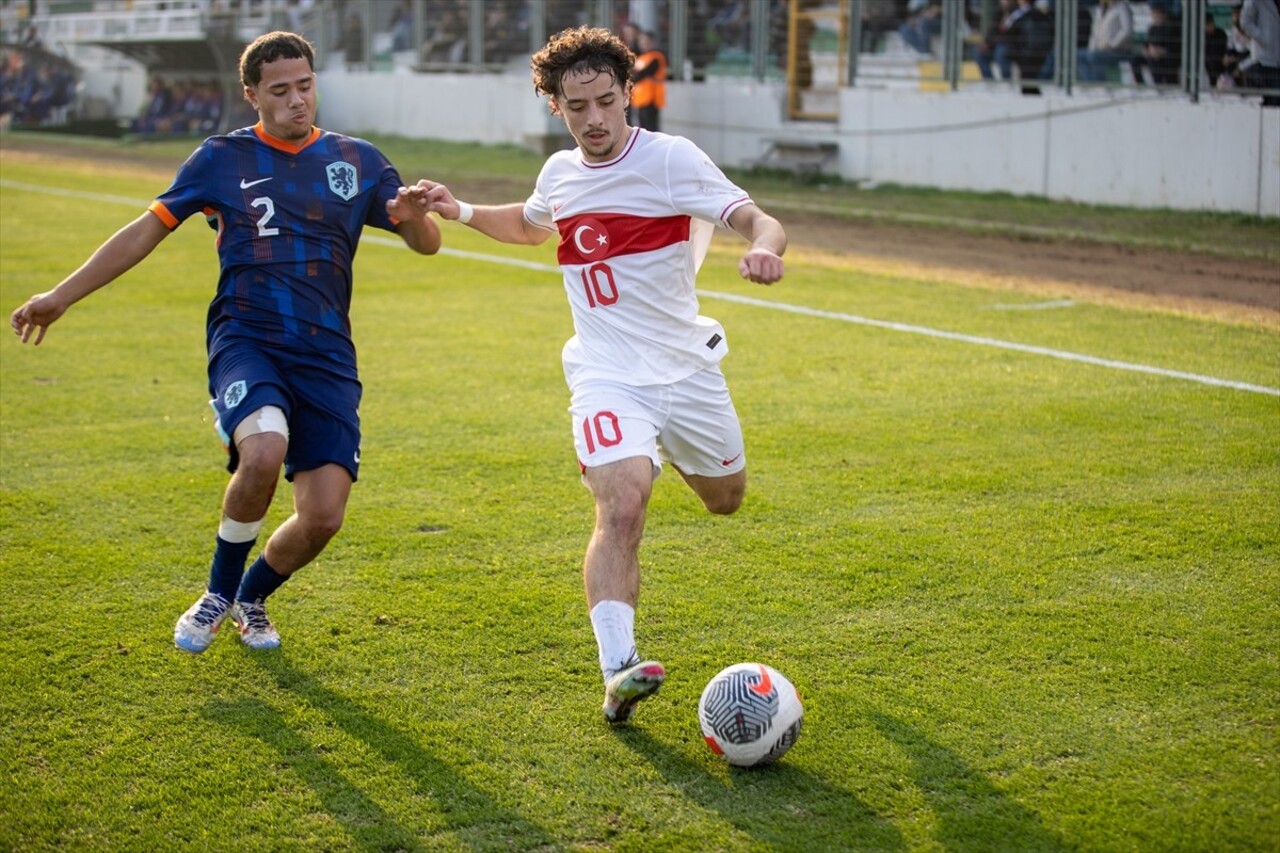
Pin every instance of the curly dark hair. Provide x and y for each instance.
(268, 48)
(580, 49)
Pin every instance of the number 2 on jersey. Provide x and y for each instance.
(598, 283)
(263, 230)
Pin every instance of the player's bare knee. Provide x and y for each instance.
(720, 495)
(262, 439)
(323, 525)
(622, 519)
(261, 454)
(724, 503)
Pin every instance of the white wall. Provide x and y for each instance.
(490, 108)
(1123, 148)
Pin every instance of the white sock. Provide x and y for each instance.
(614, 624)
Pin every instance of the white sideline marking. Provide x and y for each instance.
(998, 344)
(774, 306)
(110, 199)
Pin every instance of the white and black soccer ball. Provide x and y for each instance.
(750, 714)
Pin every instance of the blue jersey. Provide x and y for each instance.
(288, 220)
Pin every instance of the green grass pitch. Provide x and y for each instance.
(1031, 603)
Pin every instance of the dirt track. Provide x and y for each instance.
(1234, 289)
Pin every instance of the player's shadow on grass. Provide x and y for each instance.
(367, 824)
(472, 816)
(779, 806)
(971, 811)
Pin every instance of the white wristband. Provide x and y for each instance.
(465, 212)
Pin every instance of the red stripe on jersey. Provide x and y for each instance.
(595, 237)
(732, 206)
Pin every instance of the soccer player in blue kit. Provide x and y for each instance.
(289, 202)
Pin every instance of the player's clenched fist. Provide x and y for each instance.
(760, 266)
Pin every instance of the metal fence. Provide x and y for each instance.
(1185, 47)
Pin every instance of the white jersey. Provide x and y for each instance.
(633, 232)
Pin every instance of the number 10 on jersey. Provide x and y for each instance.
(598, 283)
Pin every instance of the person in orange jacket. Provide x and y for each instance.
(649, 82)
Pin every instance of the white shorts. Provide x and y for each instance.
(691, 424)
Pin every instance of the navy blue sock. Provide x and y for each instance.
(260, 581)
(228, 566)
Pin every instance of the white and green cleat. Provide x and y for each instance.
(628, 686)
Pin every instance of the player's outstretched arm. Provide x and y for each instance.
(119, 254)
(505, 222)
(762, 262)
(418, 230)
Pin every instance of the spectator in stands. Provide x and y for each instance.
(924, 21)
(503, 38)
(1260, 21)
(187, 107)
(10, 68)
(779, 21)
(1215, 48)
(649, 82)
(201, 109)
(1084, 31)
(34, 89)
(878, 18)
(630, 35)
(1110, 42)
(174, 121)
(402, 28)
(731, 25)
(1161, 53)
(994, 47)
(447, 40)
(352, 44)
(1237, 51)
(564, 14)
(1030, 43)
(701, 50)
(157, 109)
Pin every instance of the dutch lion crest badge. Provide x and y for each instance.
(343, 179)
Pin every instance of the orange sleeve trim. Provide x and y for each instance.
(170, 221)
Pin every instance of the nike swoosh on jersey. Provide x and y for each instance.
(244, 185)
(727, 462)
(765, 685)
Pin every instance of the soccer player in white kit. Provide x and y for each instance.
(634, 212)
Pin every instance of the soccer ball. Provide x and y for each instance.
(750, 714)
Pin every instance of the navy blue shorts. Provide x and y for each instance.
(322, 407)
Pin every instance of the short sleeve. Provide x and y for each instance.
(698, 187)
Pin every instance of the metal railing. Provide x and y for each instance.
(865, 42)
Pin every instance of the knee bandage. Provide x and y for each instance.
(266, 419)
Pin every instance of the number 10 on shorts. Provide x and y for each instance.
(603, 429)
